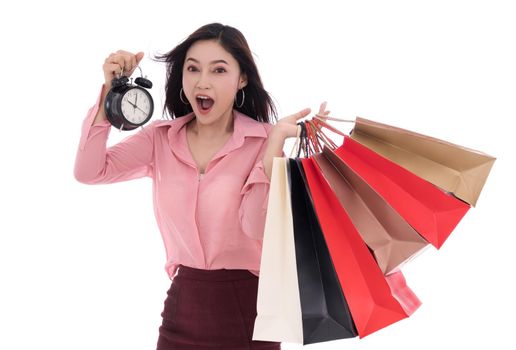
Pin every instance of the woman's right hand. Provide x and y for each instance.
(118, 61)
(113, 66)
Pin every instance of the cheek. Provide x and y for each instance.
(227, 88)
(187, 83)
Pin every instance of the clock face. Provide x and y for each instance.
(136, 105)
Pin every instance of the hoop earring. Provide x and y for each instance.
(181, 93)
(243, 98)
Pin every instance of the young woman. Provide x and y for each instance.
(210, 166)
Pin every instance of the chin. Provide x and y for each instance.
(212, 116)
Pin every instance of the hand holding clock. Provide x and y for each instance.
(120, 92)
(112, 67)
(118, 61)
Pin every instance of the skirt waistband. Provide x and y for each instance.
(192, 273)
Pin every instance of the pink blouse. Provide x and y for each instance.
(209, 221)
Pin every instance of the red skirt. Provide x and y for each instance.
(211, 309)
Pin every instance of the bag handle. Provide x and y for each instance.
(312, 137)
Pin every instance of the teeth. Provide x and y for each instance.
(203, 97)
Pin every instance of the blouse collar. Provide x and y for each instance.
(243, 126)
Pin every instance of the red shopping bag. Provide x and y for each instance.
(365, 288)
(432, 212)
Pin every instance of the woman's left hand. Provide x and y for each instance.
(287, 126)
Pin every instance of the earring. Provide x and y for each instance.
(181, 93)
(243, 98)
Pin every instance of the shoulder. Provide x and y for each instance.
(164, 123)
(169, 124)
(252, 127)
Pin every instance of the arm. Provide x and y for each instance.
(95, 164)
(253, 209)
(131, 157)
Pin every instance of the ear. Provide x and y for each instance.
(243, 81)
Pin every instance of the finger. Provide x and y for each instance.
(135, 60)
(322, 108)
(128, 64)
(123, 52)
(301, 114)
(115, 68)
(126, 59)
(325, 115)
(116, 59)
(139, 57)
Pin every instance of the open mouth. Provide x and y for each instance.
(204, 103)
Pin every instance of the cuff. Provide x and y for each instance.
(88, 121)
(257, 175)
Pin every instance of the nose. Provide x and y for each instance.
(204, 81)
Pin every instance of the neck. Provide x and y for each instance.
(214, 130)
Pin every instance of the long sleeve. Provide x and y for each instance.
(95, 163)
(254, 203)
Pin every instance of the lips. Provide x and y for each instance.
(204, 103)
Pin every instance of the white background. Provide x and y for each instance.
(81, 267)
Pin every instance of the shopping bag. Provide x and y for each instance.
(364, 286)
(391, 239)
(433, 213)
(454, 168)
(402, 292)
(278, 302)
(324, 310)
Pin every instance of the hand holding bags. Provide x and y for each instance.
(359, 217)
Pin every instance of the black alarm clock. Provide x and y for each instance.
(129, 105)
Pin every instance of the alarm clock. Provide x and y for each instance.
(129, 105)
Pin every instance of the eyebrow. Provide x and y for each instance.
(212, 62)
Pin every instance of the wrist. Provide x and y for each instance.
(278, 134)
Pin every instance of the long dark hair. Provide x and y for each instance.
(257, 104)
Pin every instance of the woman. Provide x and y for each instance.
(211, 166)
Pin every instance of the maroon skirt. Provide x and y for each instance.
(211, 309)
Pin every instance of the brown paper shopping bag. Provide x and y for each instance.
(453, 168)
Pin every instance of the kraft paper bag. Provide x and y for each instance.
(456, 169)
(278, 302)
(391, 239)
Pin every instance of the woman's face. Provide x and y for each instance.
(211, 78)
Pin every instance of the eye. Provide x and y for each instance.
(220, 70)
(191, 69)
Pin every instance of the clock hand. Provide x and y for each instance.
(141, 110)
(133, 104)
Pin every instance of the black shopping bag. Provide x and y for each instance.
(325, 312)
